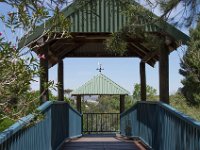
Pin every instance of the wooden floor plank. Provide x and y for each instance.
(100, 143)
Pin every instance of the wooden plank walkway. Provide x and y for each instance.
(102, 143)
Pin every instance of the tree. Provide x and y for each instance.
(136, 92)
(190, 68)
(18, 67)
(16, 76)
(108, 104)
(36, 94)
(151, 93)
(187, 14)
(68, 91)
(179, 12)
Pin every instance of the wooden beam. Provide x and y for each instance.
(147, 52)
(64, 53)
(150, 55)
(136, 50)
(76, 40)
(141, 54)
(57, 46)
(164, 74)
(141, 48)
(60, 81)
(52, 56)
(122, 103)
(143, 81)
(78, 103)
(44, 92)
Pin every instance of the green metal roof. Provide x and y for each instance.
(102, 18)
(100, 85)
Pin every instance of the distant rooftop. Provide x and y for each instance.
(100, 85)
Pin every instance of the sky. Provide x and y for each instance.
(124, 71)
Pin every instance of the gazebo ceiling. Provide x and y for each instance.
(90, 30)
(100, 85)
(93, 45)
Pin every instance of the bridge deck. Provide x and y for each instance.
(102, 143)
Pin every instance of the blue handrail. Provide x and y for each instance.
(161, 127)
(48, 134)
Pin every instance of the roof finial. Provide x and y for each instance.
(100, 67)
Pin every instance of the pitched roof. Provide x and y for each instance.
(105, 18)
(100, 85)
(91, 25)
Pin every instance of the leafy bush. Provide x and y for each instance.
(151, 93)
(5, 123)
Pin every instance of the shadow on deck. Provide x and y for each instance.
(102, 142)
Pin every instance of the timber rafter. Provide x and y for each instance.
(76, 45)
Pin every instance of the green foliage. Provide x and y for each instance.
(18, 67)
(5, 123)
(31, 13)
(136, 92)
(140, 19)
(116, 44)
(70, 101)
(151, 93)
(129, 102)
(190, 68)
(105, 104)
(37, 95)
(179, 102)
(187, 13)
(109, 104)
(16, 76)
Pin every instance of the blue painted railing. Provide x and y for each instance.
(161, 127)
(61, 122)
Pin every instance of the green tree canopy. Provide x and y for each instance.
(18, 67)
(180, 12)
(190, 68)
(151, 93)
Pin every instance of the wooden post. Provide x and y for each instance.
(60, 81)
(164, 74)
(122, 104)
(78, 103)
(44, 76)
(143, 81)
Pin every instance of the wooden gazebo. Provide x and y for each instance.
(100, 85)
(89, 32)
